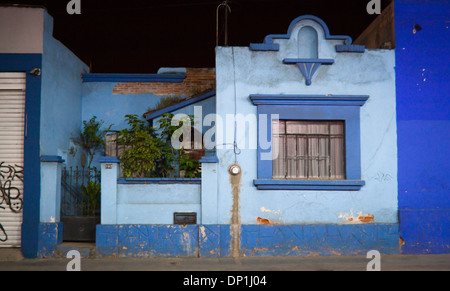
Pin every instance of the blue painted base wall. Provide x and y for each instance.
(255, 240)
(425, 231)
(50, 236)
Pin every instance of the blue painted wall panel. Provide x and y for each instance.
(423, 111)
(319, 239)
(61, 99)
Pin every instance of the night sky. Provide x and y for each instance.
(140, 36)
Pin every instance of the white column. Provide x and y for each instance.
(209, 189)
(50, 203)
(109, 175)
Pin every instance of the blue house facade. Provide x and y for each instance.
(314, 145)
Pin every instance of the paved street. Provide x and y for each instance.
(13, 261)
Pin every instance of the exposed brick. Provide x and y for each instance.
(197, 80)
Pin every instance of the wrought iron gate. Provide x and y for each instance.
(78, 214)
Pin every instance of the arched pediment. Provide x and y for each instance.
(307, 44)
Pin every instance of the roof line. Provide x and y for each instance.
(22, 5)
(124, 78)
(180, 105)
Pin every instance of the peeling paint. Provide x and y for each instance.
(255, 250)
(360, 218)
(401, 242)
(262, 220)
(203, 233)
(277, 212)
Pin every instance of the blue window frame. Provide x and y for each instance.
(312, 107)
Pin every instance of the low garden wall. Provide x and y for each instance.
(154, 201)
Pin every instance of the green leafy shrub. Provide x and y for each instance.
(150, 154)
(92, 193)
(190, 167)
(141, 148)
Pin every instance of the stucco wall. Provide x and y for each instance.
(241, 72)
(99, 100)
(61, 97)
(156, 203)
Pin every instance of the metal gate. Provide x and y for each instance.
(79, 213)
(12, 123)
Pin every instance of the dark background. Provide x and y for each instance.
(140, 36)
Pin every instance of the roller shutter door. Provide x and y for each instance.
(12, 121)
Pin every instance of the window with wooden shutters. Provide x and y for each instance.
(308, 150)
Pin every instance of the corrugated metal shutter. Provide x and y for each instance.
(12, 119)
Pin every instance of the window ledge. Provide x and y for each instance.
(159, 181)
(345, 185)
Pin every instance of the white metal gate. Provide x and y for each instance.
(12, 119)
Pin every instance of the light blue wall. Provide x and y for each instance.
(61, 93)
(263, 72)
(99, 100)
(156, 203)
(145, 201)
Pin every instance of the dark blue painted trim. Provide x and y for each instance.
(52, 159)
(264, 47)
(123, 78)
(335, 100)
(209, 160)
(32, 164)
(352, 48)
(209, 157)
(269, 184)
(181, 105)
(269, 38)
(296, 61)
(159, 181)
(109, 160)
(269, 45)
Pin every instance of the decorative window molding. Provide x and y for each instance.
(312, 107)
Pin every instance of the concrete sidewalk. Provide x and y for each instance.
(12, 260)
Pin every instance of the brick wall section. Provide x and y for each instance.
(197, 80)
